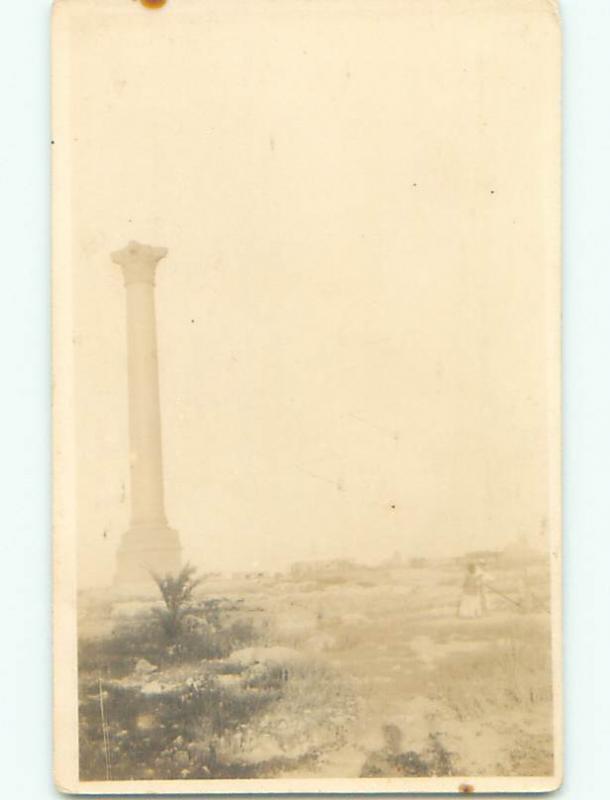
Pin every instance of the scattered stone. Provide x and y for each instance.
(154, 687)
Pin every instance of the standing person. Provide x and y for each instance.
(472, 603)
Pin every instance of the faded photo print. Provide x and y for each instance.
(307, 418)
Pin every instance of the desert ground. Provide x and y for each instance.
(327, 670)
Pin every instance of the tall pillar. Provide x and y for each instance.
(149, 545)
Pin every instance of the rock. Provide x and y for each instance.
(156, 687)
(144, 667)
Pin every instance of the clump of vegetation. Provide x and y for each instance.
(177, 592)
(393, 761)
(513, 673)
(175, 733)
(159, 697)
(440, 759)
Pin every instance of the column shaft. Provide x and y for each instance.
(146, 463)
(149, 545)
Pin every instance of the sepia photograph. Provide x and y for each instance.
(306, 367)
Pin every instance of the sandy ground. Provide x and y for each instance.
(483, 687)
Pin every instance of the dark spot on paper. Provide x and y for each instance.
(392, 506)
(192, 321)
(52, 141)
(493, 191)
(466, 788)
(414, 185)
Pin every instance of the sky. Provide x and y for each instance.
(357, 316)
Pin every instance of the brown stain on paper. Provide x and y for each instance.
(153, 3)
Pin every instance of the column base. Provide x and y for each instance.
(145, 550)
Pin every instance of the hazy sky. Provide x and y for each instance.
(360, 209)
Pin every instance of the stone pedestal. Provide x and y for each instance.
(149, 545)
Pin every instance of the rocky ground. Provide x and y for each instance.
(322, 678)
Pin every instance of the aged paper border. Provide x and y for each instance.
(65, 682)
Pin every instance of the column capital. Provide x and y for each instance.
(139, 262)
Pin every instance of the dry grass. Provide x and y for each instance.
(513, 673)
(472, 696)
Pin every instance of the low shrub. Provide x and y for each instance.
(171, 731)
(392, 761)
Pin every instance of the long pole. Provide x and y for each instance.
(506, 597)
(104, 729)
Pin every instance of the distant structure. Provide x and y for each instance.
(489, 556)
(149, 545)
(317, 569)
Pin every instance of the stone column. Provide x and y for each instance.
(149, 544)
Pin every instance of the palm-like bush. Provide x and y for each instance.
(177, 592)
